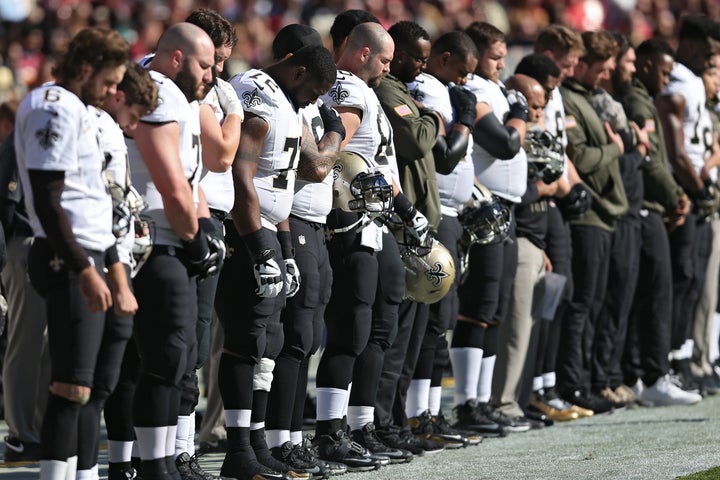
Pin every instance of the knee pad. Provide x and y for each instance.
(263, 374)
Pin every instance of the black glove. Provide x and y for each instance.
(463, 103)
(204, 254)
(705, 202)
(331, 120)
(576, 202)
(518, 105)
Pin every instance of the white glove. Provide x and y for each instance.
(418, 227)
(292, 277)
(228, 99)
(268, 277)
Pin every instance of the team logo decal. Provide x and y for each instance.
(337, 168)
(252, 99)
(47, 136)
(418, 95)
(301, 239)
(56, 264)
(338, 94)
(436, 274)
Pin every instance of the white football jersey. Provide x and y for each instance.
(555, 122)
(172, 107)
(277, 165)
(112, 144)
(505, 178)
(55, 131)
(218, 187)
(373, 138)
(313, 201)
(456, 187)
(697, 125)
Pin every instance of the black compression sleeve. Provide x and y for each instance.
(449, 150)
(47, 187)
(500, 141)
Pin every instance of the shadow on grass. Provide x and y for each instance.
(712, 474)
(638, 422)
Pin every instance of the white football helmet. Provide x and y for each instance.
(429, 272)
(485, 219)
(359, 187)
(546, 159)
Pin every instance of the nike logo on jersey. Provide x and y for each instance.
(252, 99)
(436, 274)
(338, 93)
(47, 136)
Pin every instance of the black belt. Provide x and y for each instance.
(315, 225)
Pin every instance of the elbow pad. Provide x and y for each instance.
(449, 150)
(500, 141)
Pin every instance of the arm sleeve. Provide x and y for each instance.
(449, 150)
(47, 187)
(415, 131)
(498, 140)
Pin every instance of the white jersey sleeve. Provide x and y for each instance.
(456, 187)
(505, 178)
(173, 107)
(697, 124)
(277, 165)
(112, 144)
(218, 187)
(313, 201)
(54, 131)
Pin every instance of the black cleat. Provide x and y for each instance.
(337, 447)
(423, 426)
(367, 437)
(18, 451)
(472, 416)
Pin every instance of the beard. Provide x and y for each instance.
(189, 85)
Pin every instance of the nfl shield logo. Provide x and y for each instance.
(301, 239)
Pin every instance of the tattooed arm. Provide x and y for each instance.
(246, 210)
(316, 160)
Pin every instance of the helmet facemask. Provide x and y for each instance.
(371, 193)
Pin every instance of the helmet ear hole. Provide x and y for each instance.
(429, 272)
(485, 220)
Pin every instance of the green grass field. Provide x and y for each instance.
(638, 443)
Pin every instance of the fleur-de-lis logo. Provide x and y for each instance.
(418, 95)
(338, 94)
(56, 263)
(252, 99)
(336, 169)
(47, 136)
(436, 274)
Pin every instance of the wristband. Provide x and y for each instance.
(286, 246)
(197, 247)
(404, 207)
(258, 243)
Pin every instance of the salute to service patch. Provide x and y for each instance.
(403, 110)
(570, 122)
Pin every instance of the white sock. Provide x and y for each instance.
(152, 442)
(347, 401)
(466, 370)
(359, 416)
(53, 470)
(434, 400)
(181, 435)
(296, 437)
(275, 438)
(537, 383)
(237, 418)
(71, 471)
(191, 435)
(549, 380)
(257, 425)
(95, 472)
(135, 449)
(675, 354)
(687, 348)
(418, 396)
(331, 403)
(170, 441)
(119, 451)
(714, 336)
(83, 475)
(484, 387)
